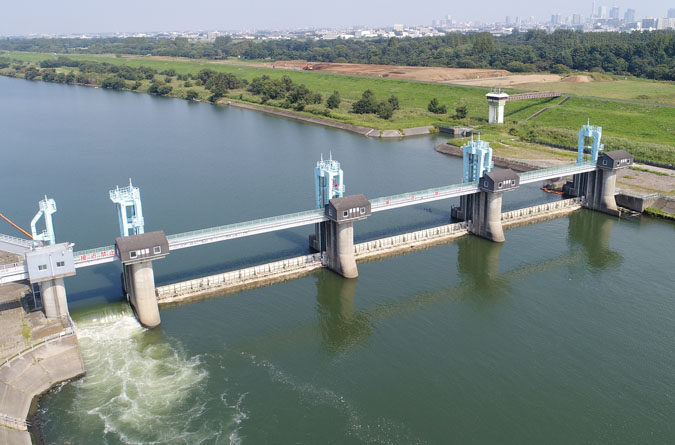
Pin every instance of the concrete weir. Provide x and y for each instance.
(291, 268)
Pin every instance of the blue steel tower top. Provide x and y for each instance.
(477, 160)
(328, 181)
(129, 210)
(47, 207)
(589, 131)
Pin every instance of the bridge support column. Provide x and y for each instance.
(598, 187)
(47, 266)
(339, 233)
(486, 207)
(54, 301)
(140, 280)
(137, 252)
(340, 249)
(486, 216)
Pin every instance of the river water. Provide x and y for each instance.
(564, 333)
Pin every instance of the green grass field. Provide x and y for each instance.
(642, 123)
(632, 89)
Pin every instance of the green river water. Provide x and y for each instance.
(565, 333)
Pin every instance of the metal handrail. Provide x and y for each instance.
(69, 330)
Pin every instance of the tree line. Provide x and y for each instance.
(643, 54)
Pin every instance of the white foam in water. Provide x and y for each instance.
(142, 388)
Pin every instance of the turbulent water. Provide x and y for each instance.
(562, 334)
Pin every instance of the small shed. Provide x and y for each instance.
(49, 262)
(615, 159)
(499, 181)
(348, 208)
(145, 247)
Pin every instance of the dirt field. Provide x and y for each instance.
(420, 73)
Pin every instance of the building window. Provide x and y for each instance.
(42, 267)
(604, 162)
(60, 263)
(513, 182)
(500, 185)
(157, 249)
(132, 254)
(362, 210)
(485, 184)
(345, 213)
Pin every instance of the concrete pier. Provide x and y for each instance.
(340, 249)
(54, 299)
(599, 187)
(137, 252)
(342, 212)
(142, 293)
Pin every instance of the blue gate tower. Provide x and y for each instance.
(593, 134)
(129, 210)
(47, 208)
(328, 184)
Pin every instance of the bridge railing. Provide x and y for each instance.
(242, 225)
(16, 241)
(383, 202)
(553, 172)
(94, 254)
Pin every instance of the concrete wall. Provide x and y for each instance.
(294, 267)
(171, 292)
(528, 213)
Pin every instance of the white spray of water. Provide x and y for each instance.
(141, 388)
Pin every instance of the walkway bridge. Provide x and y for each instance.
(106, 254)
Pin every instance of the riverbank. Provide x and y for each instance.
(364, 131)
(270, 273)
(36, 354)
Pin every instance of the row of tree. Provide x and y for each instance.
(644, 54)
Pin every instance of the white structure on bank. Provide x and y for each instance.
(496, 101)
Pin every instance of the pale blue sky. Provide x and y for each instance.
(73, 16)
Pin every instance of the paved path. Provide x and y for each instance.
(30, 375)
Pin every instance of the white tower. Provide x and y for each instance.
(496, 102)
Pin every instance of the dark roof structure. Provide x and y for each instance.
(618, 154)
(143, 247)
(350, 202)
(503, 175)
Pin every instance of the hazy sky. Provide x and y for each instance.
(75, 16)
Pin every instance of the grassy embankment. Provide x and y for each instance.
(646, 131)
(612, 87)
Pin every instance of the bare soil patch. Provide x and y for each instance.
(419, 73)
(578, 79)
(509, 80)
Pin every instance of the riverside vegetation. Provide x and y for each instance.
(646, 131)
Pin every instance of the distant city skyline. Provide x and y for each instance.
(78, 16)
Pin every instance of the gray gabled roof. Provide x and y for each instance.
(618, 154)
(349, 202)
(143, 241)
(502, 175)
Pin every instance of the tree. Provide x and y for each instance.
(385, 110)
(461, 112)
(367, 103)
(191, 95)
(435, 107)
(31, 73)
(393, 100)
(333, 100)
(113, 82)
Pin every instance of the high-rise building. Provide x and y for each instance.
(556, 19)
(614, 13)
(671, 13)
(648, 23)
(603, 12)
(629, 16)
(577, 19)
(508, 20)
